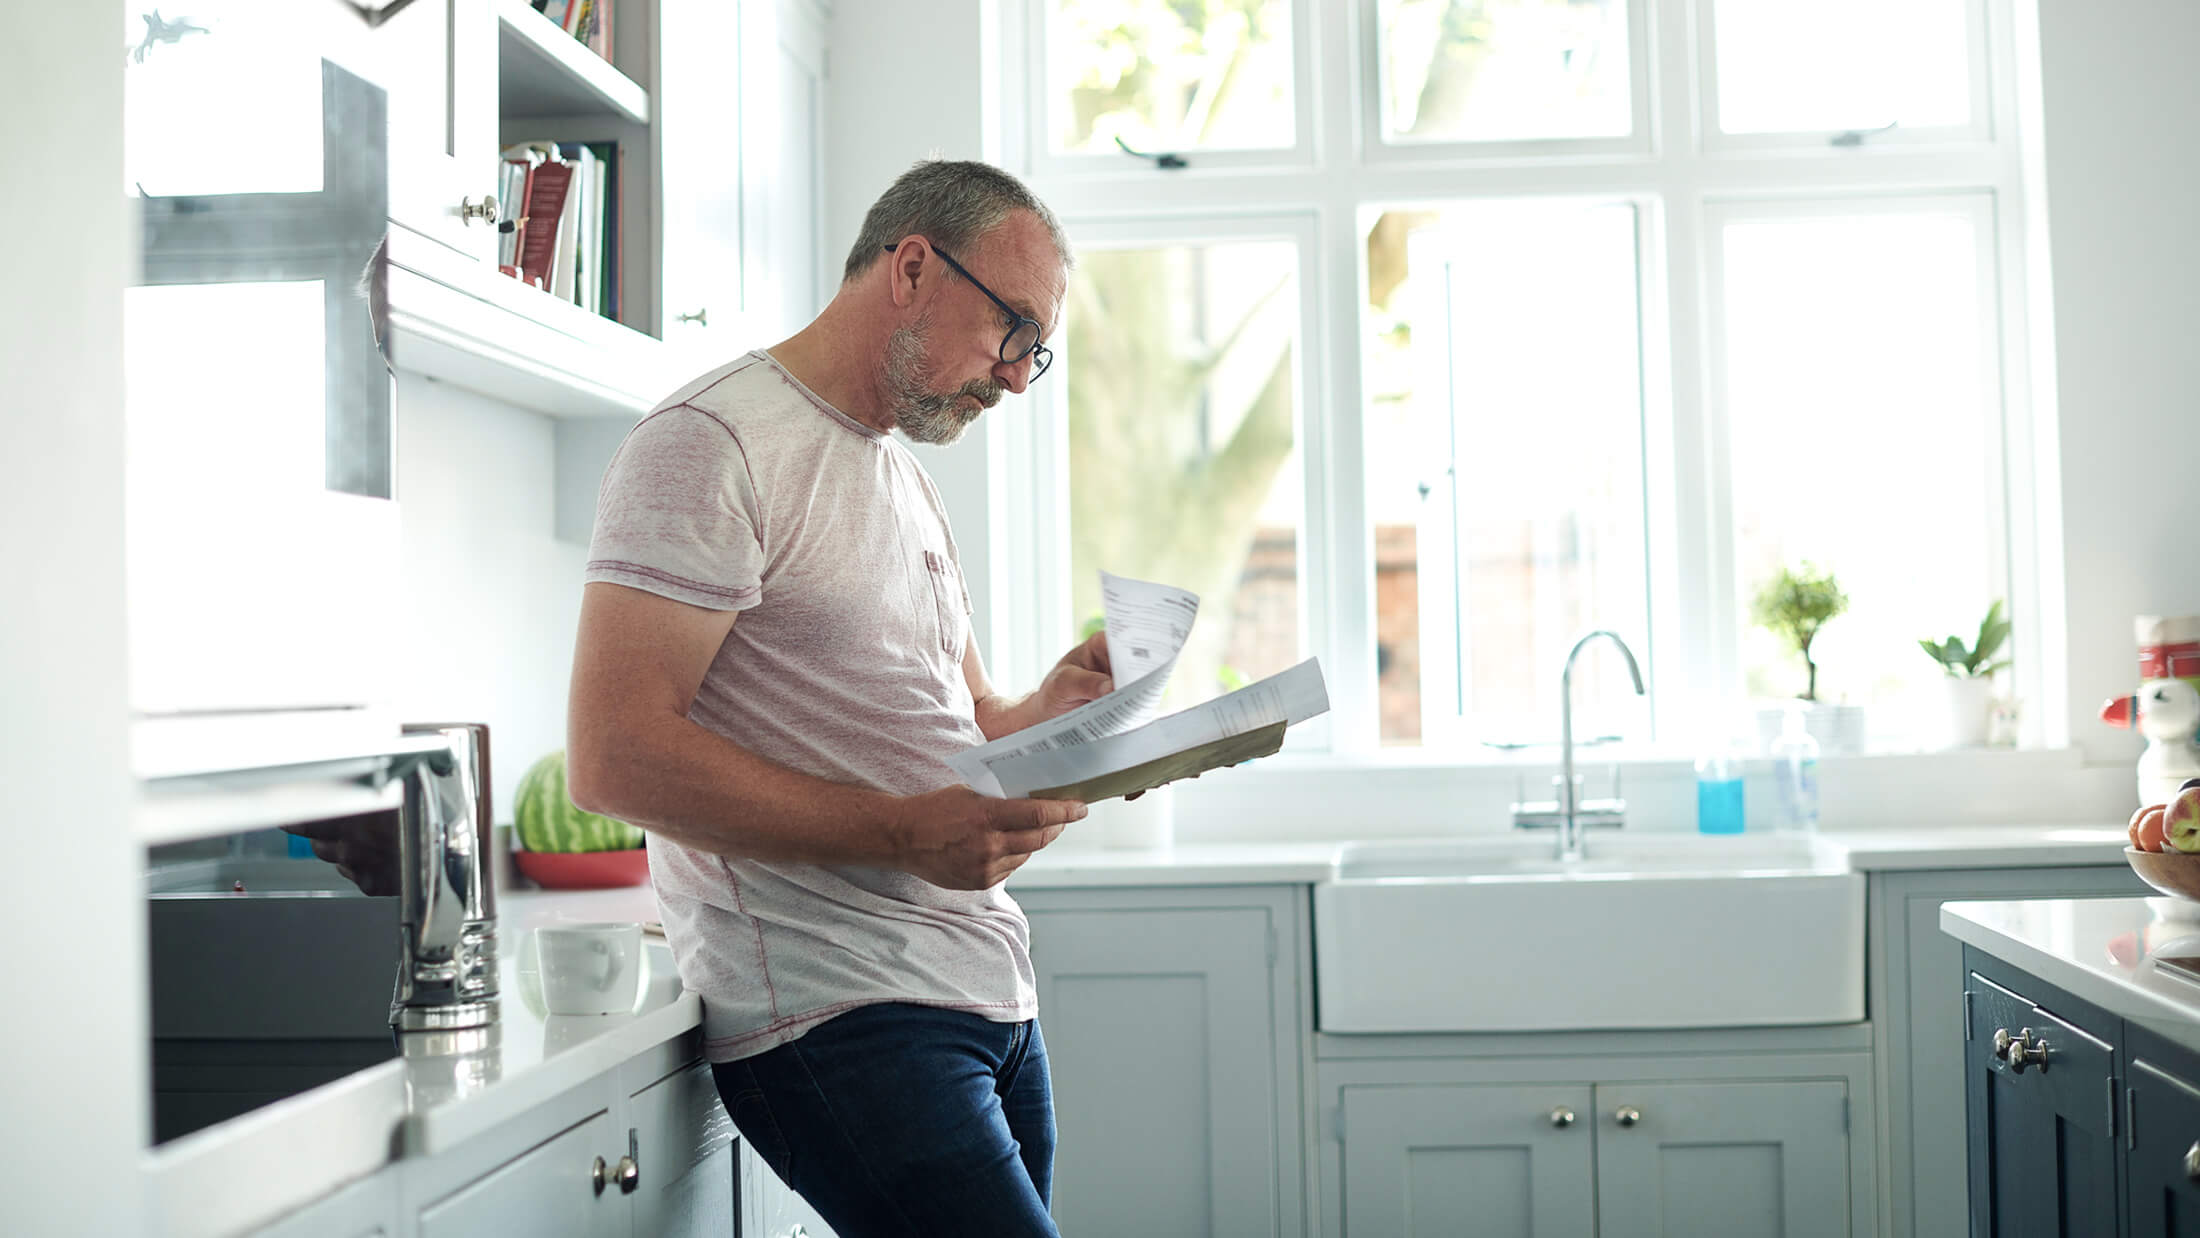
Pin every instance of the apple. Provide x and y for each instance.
(2133, 828)
(2150, 827)
(2181, 821)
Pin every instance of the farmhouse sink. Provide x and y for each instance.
(1652, 931)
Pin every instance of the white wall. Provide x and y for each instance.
(73, 1082)
(491, 596)
(2121, 102)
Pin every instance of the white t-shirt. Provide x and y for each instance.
(745, 491)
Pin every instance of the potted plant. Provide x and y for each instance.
(1794, 606)
(1968, 678)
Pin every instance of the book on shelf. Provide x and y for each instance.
(560, 232)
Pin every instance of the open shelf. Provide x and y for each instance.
(543, 71)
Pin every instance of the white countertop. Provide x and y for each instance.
(2014, 846)
(2100, 950)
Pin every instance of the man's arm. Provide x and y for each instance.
(632, 753)
(1081, 676)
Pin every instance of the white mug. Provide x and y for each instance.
(590, 968)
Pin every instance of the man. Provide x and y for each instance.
(773, 664)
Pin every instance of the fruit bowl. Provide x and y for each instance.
(2175, 873)
(590, 870)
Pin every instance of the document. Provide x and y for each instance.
(1115, 746)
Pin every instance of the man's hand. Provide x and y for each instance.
(1081, 676)
(960, 840)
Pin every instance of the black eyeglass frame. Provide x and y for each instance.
(1017, 321)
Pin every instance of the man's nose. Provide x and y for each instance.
(1014, 375)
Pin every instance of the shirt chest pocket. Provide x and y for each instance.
(949, 600)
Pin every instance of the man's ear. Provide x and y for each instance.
(905, 271)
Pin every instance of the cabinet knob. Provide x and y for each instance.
(600, 1176)
(630, 1175)
(484, 210)
(2192, 1162)
(1627, 1115)
(1562, 1117)
(700, 318)
(799, 1231)
(2002, 1041)
(2026, 1050)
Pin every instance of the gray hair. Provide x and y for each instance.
(951, 203)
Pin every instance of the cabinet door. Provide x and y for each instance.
(701, 153)
(1738, 1159)
(2164, 1141)
(1507, 1161)
(1161, 1035)
(783, 152)
(365, 1209)
(438, 60)
(684, 1145)
(550, 1192)
(2042, 1143)
(769, 1207)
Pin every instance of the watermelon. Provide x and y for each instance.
(547, 819)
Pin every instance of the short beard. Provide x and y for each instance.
(928, 416)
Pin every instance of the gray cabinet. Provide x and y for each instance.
(1918, 1027)
(684, 1144)
(365, 1209)
(1172, 1023)
(769, 1208)
(1739, 1159)
(1515, 1160)
(1742, 1159)
(554, 1190)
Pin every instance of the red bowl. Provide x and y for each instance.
(584, 870)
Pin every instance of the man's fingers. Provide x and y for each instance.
(1094, 652)
(1072, 684)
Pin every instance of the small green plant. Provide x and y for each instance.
(1794, 605)
(1978, 661)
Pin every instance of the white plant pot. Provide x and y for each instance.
(1966, 710)
(1147, 822)
(1839, 729)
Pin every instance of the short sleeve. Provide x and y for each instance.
(677, 515)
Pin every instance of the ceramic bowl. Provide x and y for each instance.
(2175, 873)
(585, 870)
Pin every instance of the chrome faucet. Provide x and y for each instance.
(1569, 813)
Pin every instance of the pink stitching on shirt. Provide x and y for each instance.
(825, 1012)
(762, 964)
(640, 569)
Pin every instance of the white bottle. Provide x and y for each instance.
(1795, 776)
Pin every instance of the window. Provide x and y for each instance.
(1576, 314)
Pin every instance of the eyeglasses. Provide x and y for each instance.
(1022, 339)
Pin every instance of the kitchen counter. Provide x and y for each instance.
(2101, 950)
(449, 1087)
(445, 1088)
(2021, 846)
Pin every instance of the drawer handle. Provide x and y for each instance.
(2001, 1044)
(1562, 1117)
(1627, 1115)
(600, 1176)
(2192, 1162)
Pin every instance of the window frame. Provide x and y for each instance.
(1680, 180)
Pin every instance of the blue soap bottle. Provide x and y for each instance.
(1719, 789)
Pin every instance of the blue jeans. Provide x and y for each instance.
(905, 1120)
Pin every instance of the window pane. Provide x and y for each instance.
(1169, 76)
(1861, 406)
(1799, 65)
(1183, 466)
(1504, 70)
(1505, 447)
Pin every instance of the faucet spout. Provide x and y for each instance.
(1569, 827)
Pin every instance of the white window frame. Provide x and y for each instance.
(1681, 182)
(1986, 121)
(1029, 138)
